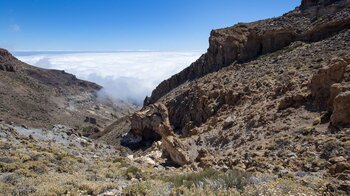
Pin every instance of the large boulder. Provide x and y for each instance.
(322, 81)
(335, 90)
(341, 112)
(330, 90)
(181, 152)
(152, 124)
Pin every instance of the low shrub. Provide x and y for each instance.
(212, 179)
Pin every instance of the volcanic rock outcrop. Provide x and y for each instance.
(330, 90)
(152, 124)
(310, 3)
(341, 113)
(322, 81)
(5, 56)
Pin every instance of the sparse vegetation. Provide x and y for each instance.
(307, 130)
(211, 179)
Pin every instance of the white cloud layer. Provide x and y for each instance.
(129, 76)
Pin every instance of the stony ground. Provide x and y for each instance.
(58, 162)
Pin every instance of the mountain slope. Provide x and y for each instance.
(40, 97)
(268, 97)
(313, 21)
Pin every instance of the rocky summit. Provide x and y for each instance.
(265, 111)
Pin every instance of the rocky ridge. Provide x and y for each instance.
(313, 21)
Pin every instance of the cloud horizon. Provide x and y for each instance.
(129, 76)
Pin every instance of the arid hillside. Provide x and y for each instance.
(265, 111)
(268, 97)
(37, 97)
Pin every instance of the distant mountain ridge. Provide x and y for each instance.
(41, 97)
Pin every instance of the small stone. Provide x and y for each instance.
(283, 172)
(337, 159)
(228, 123)
(301, 174)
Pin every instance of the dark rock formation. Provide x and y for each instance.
(309, 3)
(5, 57)
(7, 67)
(90, 120)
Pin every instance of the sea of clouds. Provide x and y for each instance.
(129, 76)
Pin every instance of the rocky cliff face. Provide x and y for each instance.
(314, 21)
(270, 96)
(311, 3)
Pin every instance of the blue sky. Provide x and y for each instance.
(99, 25)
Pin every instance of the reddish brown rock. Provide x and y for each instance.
(322, 81)
(335, 90)
(339, 168)
(294, 100)
(341, 113)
